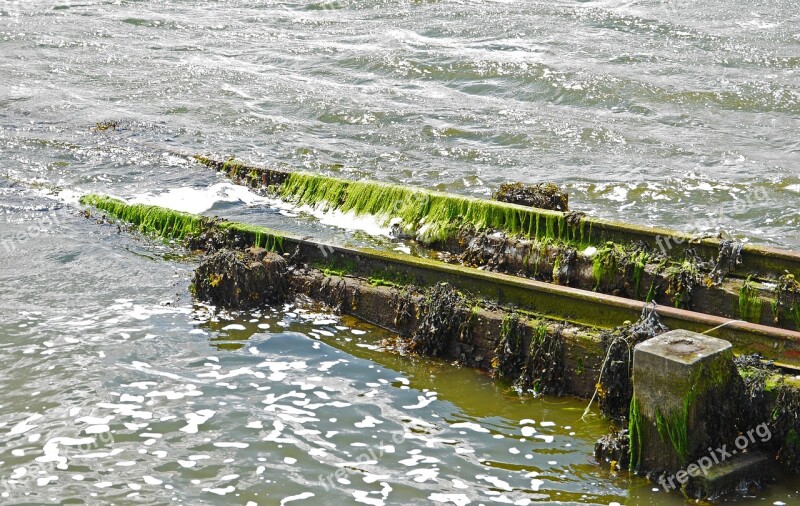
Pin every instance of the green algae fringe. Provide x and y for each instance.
(432, 216)
(606, 262)
(170, 224)
(149, 219)
(675, 426)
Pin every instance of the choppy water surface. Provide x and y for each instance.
(117, 389)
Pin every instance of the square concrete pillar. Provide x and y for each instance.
(685, 386)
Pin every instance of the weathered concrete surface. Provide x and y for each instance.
(557, 302)
(685, 400)
(743, 472)
(527, 258)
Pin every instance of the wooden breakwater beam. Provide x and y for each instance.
(642, 263)
(533, 351)
(439, 210)
(558, 302)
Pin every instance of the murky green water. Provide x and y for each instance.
(117, 389)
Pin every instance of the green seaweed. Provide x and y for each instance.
(613, 260)
(260, 237)
(389, 277)
(606, 262)
(557, 269)
(170, 224)
(635, 426)
(682, 277)
(638, 261)
(148, 219)
(675, 427)
(432, 216)
(749, 302)
(336, 266)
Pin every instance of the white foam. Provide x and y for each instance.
(220, 491)
(24, 426)
(497, 482)
(457, 499)
(368, 422)
(298, 497)
(469, 425)
(194, 420)
(363, 497)
(231, 445)
(198, 200)
(95, 420)
(423, 401)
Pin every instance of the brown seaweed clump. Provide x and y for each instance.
(730, 257)
(614, 449)
(786, 428)
(786, 305)
(212, 238)
(615, 386)
(242, 279)
(754, 372)
(531, 361)
(784, 411)
(541, 195)
(445, 319)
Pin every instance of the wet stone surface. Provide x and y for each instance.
(680, 346)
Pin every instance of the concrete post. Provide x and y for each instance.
(687, 397)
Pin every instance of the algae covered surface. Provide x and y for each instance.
(430, 216)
